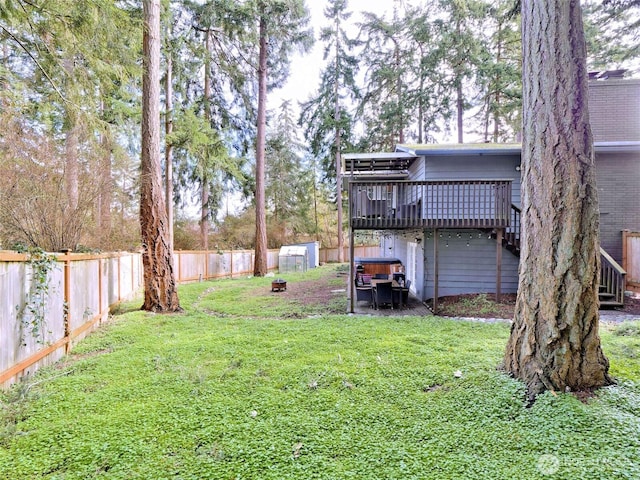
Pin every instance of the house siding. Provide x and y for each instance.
(466, 167)
(618, 198)
(397, 246)
(614, 107)
(467, 269)
(614, 110)
(416, 170)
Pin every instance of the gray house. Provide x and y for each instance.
(451, 213)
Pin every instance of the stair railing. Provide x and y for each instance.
(512, 232)
(612, 277)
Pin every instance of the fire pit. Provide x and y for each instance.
(278, 285)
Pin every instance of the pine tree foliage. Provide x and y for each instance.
(612, 31)
(337, 86)
(289, 181)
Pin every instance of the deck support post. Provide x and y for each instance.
(435, 271)
(352, 271)
(499, 235)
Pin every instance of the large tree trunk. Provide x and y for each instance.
(106, 190)
(459, 93)
(160, 293)
(554, 343)
(260, 265)
(168, 148)
(72, 169)
(338, 148)
(204, 193)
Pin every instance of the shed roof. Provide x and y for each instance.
(293, 251)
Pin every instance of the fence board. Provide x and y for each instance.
(81, 289)
(92, 284)
(631, 257)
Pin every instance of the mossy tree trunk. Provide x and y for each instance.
(160, 292)
(554, 343)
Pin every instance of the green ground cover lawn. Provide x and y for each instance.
(234, 388)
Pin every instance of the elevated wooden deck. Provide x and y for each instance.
(402, 204)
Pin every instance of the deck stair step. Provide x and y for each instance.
(610, 304)
(514, 248)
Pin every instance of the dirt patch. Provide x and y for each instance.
(631, 306)
(333, 283)
(483, 305)
(321, 291)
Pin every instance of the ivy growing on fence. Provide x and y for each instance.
(31, 313)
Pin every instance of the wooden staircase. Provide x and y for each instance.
(612, 275)
(511, 234)
(612, 282)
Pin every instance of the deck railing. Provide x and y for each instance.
(430, 204)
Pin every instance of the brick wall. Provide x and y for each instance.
(614, 110)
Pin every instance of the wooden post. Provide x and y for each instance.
(67, 301)
(100, 300)
(625, 237)
(119, 278)
(499, 234)
(206, 265)
(435, 271)
(351, 289)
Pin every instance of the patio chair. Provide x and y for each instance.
(402, 293)
(382, 295)
(364, 293)
(405, 292)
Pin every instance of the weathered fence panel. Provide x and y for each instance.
(17, 342)
(330, 255)
(631, 257)
(194, 266)
(82, 288)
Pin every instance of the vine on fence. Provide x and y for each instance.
(32, 313)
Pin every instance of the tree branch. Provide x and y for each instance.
(35, 60)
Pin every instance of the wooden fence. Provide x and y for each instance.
(330, 255)
(631, 258)
(81, 290)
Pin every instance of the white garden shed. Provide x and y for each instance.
(293, 258)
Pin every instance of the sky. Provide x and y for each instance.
(305, 69)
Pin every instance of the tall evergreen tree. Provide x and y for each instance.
(499, 74)
(288, 178)
(612, 30)
(216, 82)
(554, 343)
(328, 122)
(384, 101)
(160, 288)
(462, 52)
(81, 92)
(282, 25)
(428, 104)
